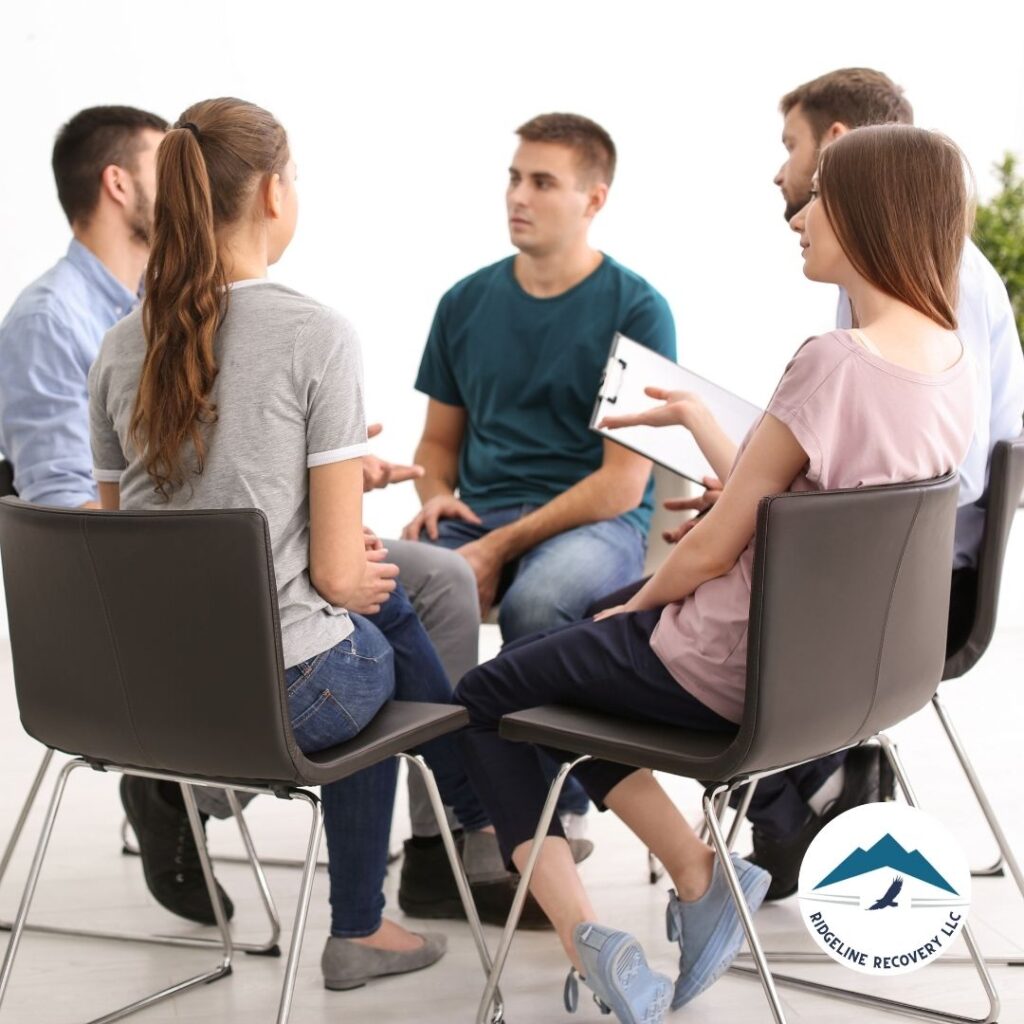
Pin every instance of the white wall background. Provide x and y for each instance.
(401, 117)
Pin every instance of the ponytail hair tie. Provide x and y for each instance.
(192, 128)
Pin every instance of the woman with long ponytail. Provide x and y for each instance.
(229, 390)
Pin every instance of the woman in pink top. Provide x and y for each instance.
(892, 402)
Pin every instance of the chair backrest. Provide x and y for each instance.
(1005, 484)
(6, 479)
(848, 613)
(148, 639)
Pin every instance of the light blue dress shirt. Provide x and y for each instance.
(48, 341)
(986, 326)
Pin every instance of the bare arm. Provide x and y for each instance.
(616, 487)
(438, 454)
(769, 464)
(438, 450)
(337, 559)
(110, 498)
(610, 491)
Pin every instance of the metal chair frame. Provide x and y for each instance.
(224, 944)
(715, 795)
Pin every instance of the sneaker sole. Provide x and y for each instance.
(724, 943)
(627, 962)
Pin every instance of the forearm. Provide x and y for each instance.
(716, 445)
(601, 495)
(690, 563)
(440, 470)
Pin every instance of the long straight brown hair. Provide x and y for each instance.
(898, 200)
(209, 166)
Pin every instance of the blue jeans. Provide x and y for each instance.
(334, 696)
(554, 583)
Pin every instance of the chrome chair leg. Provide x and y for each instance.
(523, 888)
(269, 947)
(895, 1006)
(655, 869)
(26, 808)
(711, 818)
(302, 907)
(1006, 855)
(461, 881)
(18, 929)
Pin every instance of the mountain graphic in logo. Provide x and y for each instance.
(886, 853)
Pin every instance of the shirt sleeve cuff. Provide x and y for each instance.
(353, 451)
(107, 476)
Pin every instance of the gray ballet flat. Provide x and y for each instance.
(347, 964)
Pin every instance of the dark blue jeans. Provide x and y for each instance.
(552, 585)
(331, 698)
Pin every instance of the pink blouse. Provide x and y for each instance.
(862, 421)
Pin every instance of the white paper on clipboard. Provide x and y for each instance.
(632, 367)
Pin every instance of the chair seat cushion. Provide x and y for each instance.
(685, 752)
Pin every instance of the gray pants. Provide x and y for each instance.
(442, 589)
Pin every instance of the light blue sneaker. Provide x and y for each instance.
(708, 930)
(618, 975)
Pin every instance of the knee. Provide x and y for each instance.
(472, 693)
(526, 611)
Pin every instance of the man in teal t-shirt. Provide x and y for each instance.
(548, 514)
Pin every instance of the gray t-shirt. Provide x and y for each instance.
(289, 396)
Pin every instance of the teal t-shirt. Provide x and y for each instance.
(527, 372)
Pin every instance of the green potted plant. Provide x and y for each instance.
(999, 233)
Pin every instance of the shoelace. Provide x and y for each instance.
(185, 842)
(571, 994)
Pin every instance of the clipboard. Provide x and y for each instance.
(631, 367)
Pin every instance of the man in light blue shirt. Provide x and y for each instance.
(104, 163)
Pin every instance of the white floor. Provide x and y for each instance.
(87, 881)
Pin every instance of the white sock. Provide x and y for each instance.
(829, 792)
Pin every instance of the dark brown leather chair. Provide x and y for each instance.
(149, 643)
(848, 611)
(6, 479)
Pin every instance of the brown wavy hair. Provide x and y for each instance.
(900, 202)
(209, 166)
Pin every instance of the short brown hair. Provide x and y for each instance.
(94, 139)
(898, 200)
(853, 96)
(593, 146)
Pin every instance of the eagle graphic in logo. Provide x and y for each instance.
(889, 899)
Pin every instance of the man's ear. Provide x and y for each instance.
(114, 182)
(598, 197)
(836, 130)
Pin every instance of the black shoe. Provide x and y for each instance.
(170, 859)
(782, 858)
(867, 779)
(427, 889)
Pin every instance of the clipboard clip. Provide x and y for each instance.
(611, 380)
